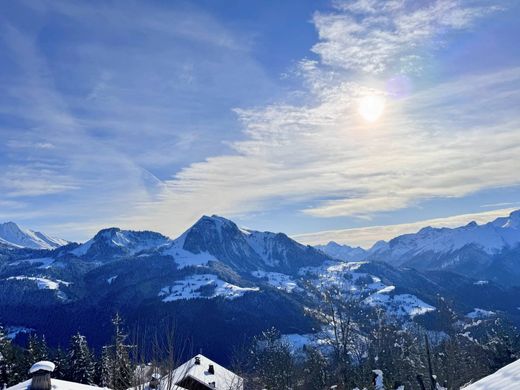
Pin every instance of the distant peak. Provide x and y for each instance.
(10, 225)
(107, 232)
(220, 219)
(13, 234)
(216, 219)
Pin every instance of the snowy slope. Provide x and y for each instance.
(114, 242)
(507, 378)
(342, 252)
(14, 236)
(218, 239)
(490, 238)
(348, 278)
(202, 286)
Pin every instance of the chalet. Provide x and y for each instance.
(41, 380)
(198, 373)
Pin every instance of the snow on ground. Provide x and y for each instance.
(297, 342)
(185, 258)
(202, 286)
(43, 283)
(278, 280)
(507, 378)
(399, 304)
(57, 384)
(480, 313)
(373, 291)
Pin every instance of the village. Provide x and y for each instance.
(201, 373)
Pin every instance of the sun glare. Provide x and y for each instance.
(371, 107)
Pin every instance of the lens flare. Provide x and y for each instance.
(371, 107)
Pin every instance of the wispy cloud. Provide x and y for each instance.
(85, 121)
(371, 35)
(366, 237)
(446, 140)
(143, 139)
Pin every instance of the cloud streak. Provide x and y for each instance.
(446, 140)
(366, 237)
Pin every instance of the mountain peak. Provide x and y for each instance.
(106, 233)
(114, 242)
(13, 235)
(342, 251)
(514, 218)
(217, 219)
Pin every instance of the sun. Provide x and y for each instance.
(371, 107)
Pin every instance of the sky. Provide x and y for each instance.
(348, 120)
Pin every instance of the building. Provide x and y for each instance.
(41, 380)
(507, 378)
(198, 373)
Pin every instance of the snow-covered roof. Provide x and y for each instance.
(44, 365)
(56, 384)
(220, 379)
(507, 378)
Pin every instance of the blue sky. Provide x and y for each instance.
(146, 115)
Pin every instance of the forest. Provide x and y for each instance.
(359, 349)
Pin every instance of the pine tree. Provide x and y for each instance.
(274, 362)
(116, 368)
(7, 359)
(36, 351)
(107, 369)
(62, 364)
(80, 361)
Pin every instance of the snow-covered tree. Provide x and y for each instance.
(273, 361)
(81, 366)
(117, 372)
(36, 350)
(61, 361)
(8, 366)
(107, 367)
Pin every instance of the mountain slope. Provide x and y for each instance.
(11, 235)
(490, 251)
(218, 239)
(114, 242)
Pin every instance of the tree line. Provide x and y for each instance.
(355, 343)
(112, 368)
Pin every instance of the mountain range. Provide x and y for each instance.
(220, 283)
(488, 252)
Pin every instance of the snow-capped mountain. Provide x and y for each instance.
(218, 239)
(242, 280)
(491, 238)
(488, 251)
(114, 242)
(342, 252)
(13, 236)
